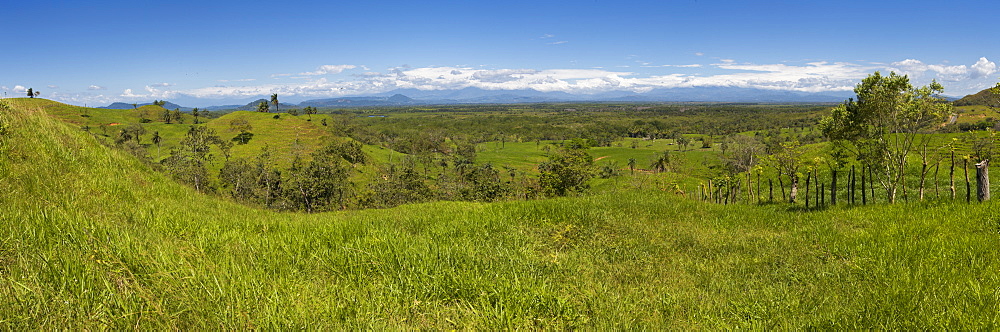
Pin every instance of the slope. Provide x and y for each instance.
(91, 238)
(982, 98)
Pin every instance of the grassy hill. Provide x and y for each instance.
(981, 98)
(91, 238)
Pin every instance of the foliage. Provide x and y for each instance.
(188, 162)
(567, 170)
(883, 122)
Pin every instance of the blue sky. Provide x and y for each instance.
(201, 53)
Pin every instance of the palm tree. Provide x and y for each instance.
(262, 107)
(195, 113)
(274, 101)
(631, 164)
(156, 140)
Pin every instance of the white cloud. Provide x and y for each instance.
(95, 87)
(983, 68)
(547, 36)
(674, 66)
(329, 69)
(818, 76)
(558, 42)
(20, 89)
(52, 86)
(918, 69)
(699, 53)
(161, 84)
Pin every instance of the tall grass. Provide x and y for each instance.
(90, 238)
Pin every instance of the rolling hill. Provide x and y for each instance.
(92, 238)
(982, 98)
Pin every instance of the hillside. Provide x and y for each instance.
(981, 98)
(92, 238)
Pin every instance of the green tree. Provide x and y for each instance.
(194, 112)
(188, 162)
(274, 101)
(167, 116)
(661, 163)
(309, 110)
(631, 165)
(156, 140)
(263, 107)
(567, 171)
(883, 123)
(682, 142)
(787, 161)
(31, 93)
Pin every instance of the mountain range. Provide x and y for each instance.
(410, 97)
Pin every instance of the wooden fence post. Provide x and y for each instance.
(833, 189)
(968, 189)
(983, 180)
(808, 177)
(864, 194)
(951, 175)
(853, 179)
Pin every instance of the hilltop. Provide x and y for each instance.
(125, 106)
(982, 98)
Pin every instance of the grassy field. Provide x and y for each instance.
(91, 238)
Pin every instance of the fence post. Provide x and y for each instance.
(833, 188)
(968, 189)
(983, 180)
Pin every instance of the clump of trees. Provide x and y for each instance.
(880, 128)
(567, 170)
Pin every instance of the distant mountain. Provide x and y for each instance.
(394, 100)
(409, 97)
(124, 106)
(252, 106)
(983, 98)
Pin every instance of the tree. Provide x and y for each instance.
(566, 171)
(787, 161)
(661, 163)
(263, 107)
(31, 93)
(706, 142)
(274, 101)
(309, 110)
(743, 152)
(631, 165)
(194, 112)
(167, 116)
(883, 122)
(37, 93)
(156, 140)
(682, 142)
(188, 162)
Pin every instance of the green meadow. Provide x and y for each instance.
(92, 238)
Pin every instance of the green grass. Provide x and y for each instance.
(92, 239)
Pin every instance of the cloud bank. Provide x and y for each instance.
(813, 77)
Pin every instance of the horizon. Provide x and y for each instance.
(231, 52)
